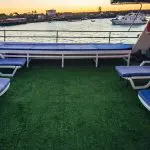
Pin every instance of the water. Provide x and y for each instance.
(85, 25)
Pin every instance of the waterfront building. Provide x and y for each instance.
(51, 13)
(66, 15)
(41, 17)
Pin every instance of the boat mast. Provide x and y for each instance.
(136, 16)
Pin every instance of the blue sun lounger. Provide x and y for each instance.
(133, 73)
(64, 51)
(11, 63)
(144, 96)
(4, 85)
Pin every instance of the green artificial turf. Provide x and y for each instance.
(79, 107)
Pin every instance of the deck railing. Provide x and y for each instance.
(58, 34)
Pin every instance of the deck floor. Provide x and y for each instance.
(79, 107)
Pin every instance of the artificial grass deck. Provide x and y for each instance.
(78, 107)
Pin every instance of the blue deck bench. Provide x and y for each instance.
(66, 50)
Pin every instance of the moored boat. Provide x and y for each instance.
(136, 19)
(12, 21)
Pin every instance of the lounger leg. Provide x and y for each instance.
(11, 74)
(62, 63)
(28, 60)
(138, 87)
(96, 63)
(128, 61)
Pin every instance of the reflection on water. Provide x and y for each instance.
(86, 25)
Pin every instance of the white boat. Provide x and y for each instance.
(148, 17)
(131, 18)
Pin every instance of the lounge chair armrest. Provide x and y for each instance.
(144, 62)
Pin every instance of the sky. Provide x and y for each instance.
(20, 6)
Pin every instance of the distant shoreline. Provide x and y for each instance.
(70, 17)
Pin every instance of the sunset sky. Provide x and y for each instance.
(8, 6)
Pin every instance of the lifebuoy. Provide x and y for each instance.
(148, 27)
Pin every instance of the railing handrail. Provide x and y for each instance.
(57, 36)
(72, 36)
(69, 31)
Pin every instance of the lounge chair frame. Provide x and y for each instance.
(6, 88)
(14, 67)
(131, 79)
(143, 102)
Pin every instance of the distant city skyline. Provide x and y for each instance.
(21, 6)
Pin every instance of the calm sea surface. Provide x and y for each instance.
(86, 25)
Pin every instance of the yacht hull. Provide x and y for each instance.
(118, 22)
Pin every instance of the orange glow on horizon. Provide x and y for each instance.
(25, 6)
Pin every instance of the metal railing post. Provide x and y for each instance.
(4, 35)
(109, 36)
(57, 36)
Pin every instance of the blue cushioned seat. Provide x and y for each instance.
(12, 62)
(118, 46)
(64, 46)
(144, 96)
(4, 82)
(130, 71)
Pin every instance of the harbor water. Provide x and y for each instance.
(84, 25)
